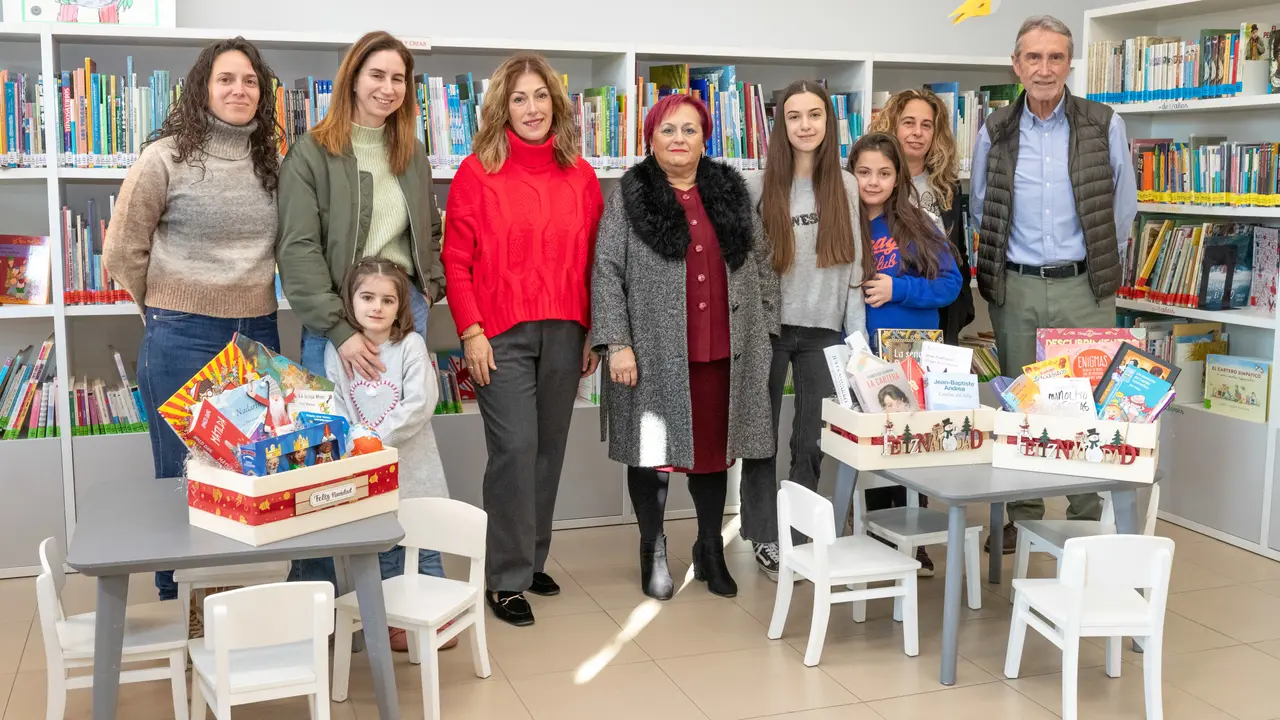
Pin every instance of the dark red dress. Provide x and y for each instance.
(707, 311)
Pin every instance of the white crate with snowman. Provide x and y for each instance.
(1082, 447)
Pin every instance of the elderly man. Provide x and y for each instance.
(1054, 198)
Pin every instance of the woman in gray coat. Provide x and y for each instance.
(685, 300)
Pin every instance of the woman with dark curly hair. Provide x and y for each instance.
(194, 230)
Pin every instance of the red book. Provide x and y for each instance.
(915, 378)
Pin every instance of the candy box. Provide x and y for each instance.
(213, 432)
(314, 444)
(260, 510)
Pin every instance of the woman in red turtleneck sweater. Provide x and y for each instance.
(520, 232)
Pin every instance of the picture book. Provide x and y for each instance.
(228, 369)
(950, 391)
(915, 378)
(453, 361)
(24, 270)
(1240, 237)
(1217, 274)
(1129, 356)
(1066, 397)
(884, 390)
(1266, 263)
(1054, 367)
(1134, 397)
(938, 358)
(999, 384)
(894, 345)
(1021, 395)
(1089, 349)
(1238, 387)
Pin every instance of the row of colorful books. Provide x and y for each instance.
(1196, 263)
(1180, 342)
(27, 385)
(101, 407)
(22, 141)
(968, 110)
(1207, 171)
(1154, 68)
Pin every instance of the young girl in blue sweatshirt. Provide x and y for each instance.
(916, 269)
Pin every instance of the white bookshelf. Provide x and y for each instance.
(592, 487)
(1220, 473)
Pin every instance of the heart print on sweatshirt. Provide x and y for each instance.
(373, 400)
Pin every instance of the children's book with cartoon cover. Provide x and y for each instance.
(1135, 397)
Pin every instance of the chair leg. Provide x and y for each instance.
(311, 706)
(859, 606)
(1070, 675)
(910, 615)
(1017, 635)
(1114, 660)
(818, 626)
(430, 669)
(1022, 555)
(178, 677)
(782, 600)
(910, 551)
(1152, 680)
(972, 558)
(343, 629)
(479, 644)
(56, 695)
(415, 654)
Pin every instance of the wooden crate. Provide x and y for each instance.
(1075, 446)
(261, 510)
(886, 441)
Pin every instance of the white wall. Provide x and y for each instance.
(881, 25)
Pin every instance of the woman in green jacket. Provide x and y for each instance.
(358, 185)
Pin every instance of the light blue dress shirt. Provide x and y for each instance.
(1046, 229)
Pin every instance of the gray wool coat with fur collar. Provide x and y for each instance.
(638, 299)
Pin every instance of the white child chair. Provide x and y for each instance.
(152, 631)
(912, 527)
(1051, 536)
(1096, 594)
(263, 643)
(828, 561)
(422, 604)
(228, 576)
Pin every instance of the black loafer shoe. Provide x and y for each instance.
(543, 585)
(510, 607)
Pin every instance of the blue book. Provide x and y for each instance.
(1135, 397)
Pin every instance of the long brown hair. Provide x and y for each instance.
(491, 145)
(188, 121)
(334, 131)
(920, 244)
(369, 267)
(941, 161)
(835, 227)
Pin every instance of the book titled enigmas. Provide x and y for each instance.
(1238, 387)
(1090, 349)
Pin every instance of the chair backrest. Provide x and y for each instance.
(806, 511)
(49, 586)
(445, 525)
(1133, 562)
(262, 615)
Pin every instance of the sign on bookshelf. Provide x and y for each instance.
(147, 13)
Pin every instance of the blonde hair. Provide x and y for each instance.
(334, 131)
(491, 145)
(941, 160)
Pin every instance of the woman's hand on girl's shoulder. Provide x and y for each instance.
(878, 290)
(359, 355)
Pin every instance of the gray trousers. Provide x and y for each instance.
(801, 349)
(527, 407)
(1031, 303)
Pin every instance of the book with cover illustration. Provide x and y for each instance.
(454, 362)
(1266, 263)
(938, 358)
(1217, 275)
(1134, 397)
(24, 269)
(894, 345)
(1239, 236)
(1238, 387)
(1021, 395)
(884, 389)
(915, 378)
(950, 391)
(1049, 368)
(1129, 356)
(1066, 397)
(1089, 349)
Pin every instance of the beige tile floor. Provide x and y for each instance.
(599, 650)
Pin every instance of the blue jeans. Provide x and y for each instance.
(391, 561)
(175, 346)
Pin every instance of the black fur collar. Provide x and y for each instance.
(659, 220)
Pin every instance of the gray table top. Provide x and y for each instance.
(140, 524)
(986, 484)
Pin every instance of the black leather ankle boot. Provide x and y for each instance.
(709, 567)
(655, 578)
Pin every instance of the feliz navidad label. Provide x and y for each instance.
(316, 497)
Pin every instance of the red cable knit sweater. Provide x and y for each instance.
(518, 244)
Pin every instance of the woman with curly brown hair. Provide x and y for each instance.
(194, 232)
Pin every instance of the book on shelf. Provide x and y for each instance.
(1152, 68)
(85, 280)
(986, 364)
(27, 388)
(21, 120)
(101, 407)
(1206, 171)
(1237, 387)
(969, 110)
(24, 270)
